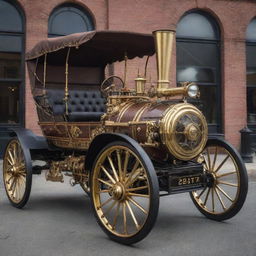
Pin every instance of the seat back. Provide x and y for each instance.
(79, 101)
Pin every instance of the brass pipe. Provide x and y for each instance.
(164, 45)
(169, 92)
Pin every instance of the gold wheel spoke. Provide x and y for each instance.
(225, 174)
(106, 202)
(124, 217)
(119, 164)
(15, 155)
(14, 187)
(201, 193)
(206, 198)
(11, 157)
(137, 205)
(105, 182)
(105, 191)
(219, 197)
(116, 216)
(110, 207)
(215, 157)
(8, 181)
(222, 163)
(107, 173)
(126, 159)
(224, 193)
(132, 214)
(12, 184)
(137, 188)
(113, 168)
(138, 195)
(134, 169)
(22, 178)
(227, 183)
(205, 163)
(18, 189)
(23, 174)
(213, 203)
(209, 160)
(131, 180)
(9, 161)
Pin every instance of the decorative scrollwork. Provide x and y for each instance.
(75, 131)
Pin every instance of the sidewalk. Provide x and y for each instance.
(251, 169)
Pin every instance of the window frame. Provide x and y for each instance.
(86, 17)
(213, 128)
(21, 80)
(251, 125)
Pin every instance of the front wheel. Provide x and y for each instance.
(124, 192)
(228, 182)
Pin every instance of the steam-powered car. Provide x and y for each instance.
(125, 145)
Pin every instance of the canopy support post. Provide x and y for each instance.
(125, 68)
(45, 65)
(66, 83)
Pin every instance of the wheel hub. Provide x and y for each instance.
(118, 192)
(211, 180)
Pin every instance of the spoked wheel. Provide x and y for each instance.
(124, 192)
(17, 177)
(226, 192)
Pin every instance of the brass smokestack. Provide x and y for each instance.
(164, 45)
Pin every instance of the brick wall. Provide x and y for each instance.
(148, 15)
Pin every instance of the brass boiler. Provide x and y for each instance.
(164, 128)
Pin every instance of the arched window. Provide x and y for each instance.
(11, 65)
(198, 60)
(67, 19)
(251, 73)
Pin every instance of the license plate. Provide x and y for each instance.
(178, 181)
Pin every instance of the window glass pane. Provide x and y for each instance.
(10, 43)
(196, 62)
(250, 56)
(10, 19)
(197, 26)
(207, 103)
(251, 105)
(251, 76)
(68, 20)
(10, 64)
(9, 103)
(251, 31)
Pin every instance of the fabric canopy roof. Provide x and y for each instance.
(94, 48)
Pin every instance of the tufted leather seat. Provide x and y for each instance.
(82, 105)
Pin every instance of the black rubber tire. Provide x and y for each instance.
(154, 196)
(243, 189)
(28, 169)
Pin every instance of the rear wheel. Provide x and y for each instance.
(226, 192)
(16, 176)
(124, 192)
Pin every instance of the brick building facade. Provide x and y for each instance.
(231, 16)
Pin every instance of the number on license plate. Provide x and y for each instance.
(188, 180)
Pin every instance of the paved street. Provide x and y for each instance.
(58, 221)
